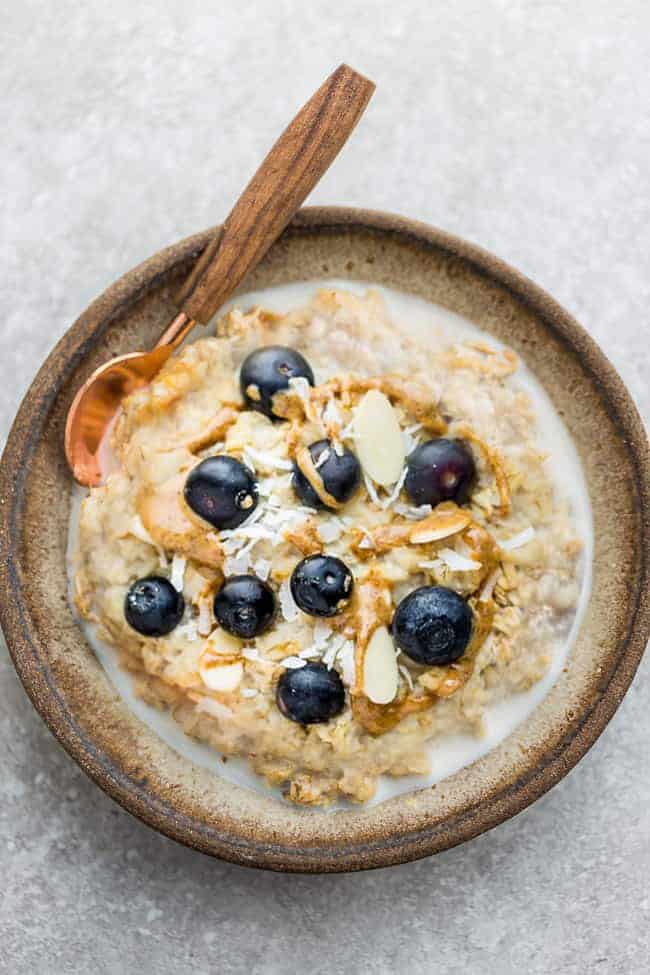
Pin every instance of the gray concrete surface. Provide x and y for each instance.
(521, 125)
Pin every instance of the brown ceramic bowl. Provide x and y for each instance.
(191, 804)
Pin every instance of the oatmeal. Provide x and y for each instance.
(328, 545)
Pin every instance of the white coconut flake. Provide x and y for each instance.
(178, 572)
(261, 568)
(366, 541)
(330, 529)
(434, 565)
(204, 625)
(324, 457)
(518, 540)
(406, 674)
(265, 459)
(330, 654)
(410, 438)
(293, 663)
(416, 513)
(456, 562)
(137, 529)
(188, 631)
(250, 653)
(370, 488)
(332, 413)
(488, 588)
(248, 692)
(346, 662)
(237, 565)
(301, 388)
(322, 633)
(215, 708)
(287, 605)
(348, 432)
(310, 653)
(394, 494)
(239, 531)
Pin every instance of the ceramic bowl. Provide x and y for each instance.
(197, 807)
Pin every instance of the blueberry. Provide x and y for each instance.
(433, 625)
(245, 606)
(222, 491)
(310, 694)
(340, 474)
(321, 585)
(153, 607)
(440, 470)
(268, 370)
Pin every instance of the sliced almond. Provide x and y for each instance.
(446, 520)
(219, 675)
(378, 438)
(380, 673)
(222, 644)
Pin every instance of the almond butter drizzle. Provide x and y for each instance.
(305, 537)
(215, 430)
(166, 518)
(495, 461)
(307, 467)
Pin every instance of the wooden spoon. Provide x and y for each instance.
(292, 168)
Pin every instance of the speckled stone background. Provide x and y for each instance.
(520, 125)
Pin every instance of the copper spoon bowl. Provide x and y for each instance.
(290, 171)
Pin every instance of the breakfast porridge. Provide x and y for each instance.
(327, 545)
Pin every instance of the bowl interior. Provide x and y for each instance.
(193, 804)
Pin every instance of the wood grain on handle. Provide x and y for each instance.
(292, 168)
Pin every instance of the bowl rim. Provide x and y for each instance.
(513, 797)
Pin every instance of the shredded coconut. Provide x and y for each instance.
(330, 529)
(413, 513)
(370, 488)
(264, 459)
(456, 562)
(204, 625)
(346, 662)
(488, 588)
(518, 540)
(332, 413)
(404, 671)
(248, 692)
(188, 630)
(215, 708)
(287, 605)
(138, 530)
(178, 572)
(394, 494)
(237, 565)
(301, 388)
(261, 568)
(324, 457)
(292, 663)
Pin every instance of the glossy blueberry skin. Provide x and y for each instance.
(433, 625)
(341, 476)
(153, 607)
(268, 370)
(440, 470)
(244, 606)
(321, 585)
(222, 491)
(310, 694)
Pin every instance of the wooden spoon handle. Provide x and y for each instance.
(292, 168)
